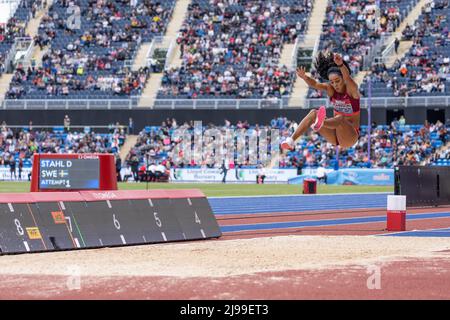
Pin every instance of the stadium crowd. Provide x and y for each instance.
(396, 144)
(15, 27)
(425, 69)
(231, 48)
(19, 144)
(153, 154)
(91, 61)
(351, 28)
(71, 77)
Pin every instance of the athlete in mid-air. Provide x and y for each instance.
(343, 128)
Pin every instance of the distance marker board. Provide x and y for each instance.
(38, 222)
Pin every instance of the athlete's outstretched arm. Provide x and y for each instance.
(349, 82)
(311, 82)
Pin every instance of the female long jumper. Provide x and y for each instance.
(343, 128)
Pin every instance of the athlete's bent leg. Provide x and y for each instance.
(304, 125)
(329, 135)
(345, 132)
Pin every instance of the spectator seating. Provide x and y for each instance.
(350, 28)
(94, 61)
(397, 144)
(425, 70)
(231, 49)
(23, 143)
(14, 28)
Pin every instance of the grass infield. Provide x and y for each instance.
(224, 190)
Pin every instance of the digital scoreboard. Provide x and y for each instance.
(70, 174)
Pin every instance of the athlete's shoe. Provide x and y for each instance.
(320, 118)
(288, 144)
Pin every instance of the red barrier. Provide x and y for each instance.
(98, 195)
(15, 198)
(54, 196)
(310, 186)
(396, 213)
(124, 195)
(194, 193)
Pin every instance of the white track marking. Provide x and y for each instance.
(27, 247)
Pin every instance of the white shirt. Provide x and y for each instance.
(321, 172)
(160, 168)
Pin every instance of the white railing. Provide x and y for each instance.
(150, 52)
(305, 42)
(293, 65)
(166, 43)
(387, 52)
(373, 52)
(70, 104)
(24, 47)
(316, 47)
(174, 104)
(170, 53)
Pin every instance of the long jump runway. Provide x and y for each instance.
(286, 247)
(348, 214)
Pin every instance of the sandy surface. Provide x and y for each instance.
(226, 258)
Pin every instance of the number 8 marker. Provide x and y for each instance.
(19, 227)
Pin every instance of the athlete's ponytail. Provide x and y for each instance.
(325, 65)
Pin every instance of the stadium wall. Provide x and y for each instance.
(142, 118)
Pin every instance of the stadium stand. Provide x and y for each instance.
(425, 70)
(15, 28)
(19, 144)
(351, 28)
(92, 62)
(396, 144)
(441, 158)
(230, 49)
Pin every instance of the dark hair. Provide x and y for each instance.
(325, 65)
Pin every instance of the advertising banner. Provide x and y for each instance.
(231, 175)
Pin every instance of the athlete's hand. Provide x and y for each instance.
(301, 72)
(338, 59)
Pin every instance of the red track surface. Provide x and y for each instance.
(412, 279)
(351, 229)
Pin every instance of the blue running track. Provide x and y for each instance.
(422, 233)
(322, 223)
(300, 203)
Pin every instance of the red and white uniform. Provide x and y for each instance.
(343, 104)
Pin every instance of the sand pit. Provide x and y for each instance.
(227, 258)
